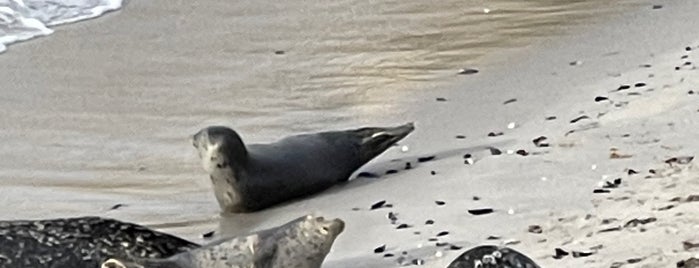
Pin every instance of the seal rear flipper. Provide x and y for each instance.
(375, 141)
(492, 257)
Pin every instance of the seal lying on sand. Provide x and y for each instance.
(302, 243)
(492, 257)
(81, 242)
(257, 176)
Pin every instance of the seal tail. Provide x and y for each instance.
(376, 140)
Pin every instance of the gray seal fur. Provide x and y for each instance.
(301, 243)
(249, 178)
(492, 257)
(81, 242)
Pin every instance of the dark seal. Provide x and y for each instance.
(81, 242)
(252, 177)
(492, 257)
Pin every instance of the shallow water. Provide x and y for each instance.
(101, 114)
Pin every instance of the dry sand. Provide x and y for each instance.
(551, 186)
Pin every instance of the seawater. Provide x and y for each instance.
(22, 20)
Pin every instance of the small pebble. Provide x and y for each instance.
(560, 253)
(460, 136)
(535, 229)
(208, 235)
(440, 203)
(380, 249)
(442, 233)
(408, 165)
(378, 205)
(433, 172)
(441, 99)
(279, 52)
(640, 84)
(657, 6)
(388, 255)
(511, 125)
(426, 158)
(623, 87)
(429, 222)
(495, 134)
(511, 211)
(403, 226)
(509, 101)
(480, 211)
(550, 117)
(404, 148)
(522, 152)
(575, 120)
(467, 71)
(117, 206)
(391, 171)
(495, 151)
(600, 98)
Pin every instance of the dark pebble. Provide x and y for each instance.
(440, 203)
(441, 99)
(433, 172)
(117, 206)
(426, 158)
(550, 117)
(601, 191)
(408, 165)
(388, 255)
(495, 151)
(391, 171)
(468, 71)
(493, 237)
(691, 92)
(418, 262)
(645, 66)
(623, 87)
(476, 198)
(677, 68)
(378, 205)
(684, 57)
(441, 244)
(466, 156)
(688, 48)
(540, 141)
(403, 226)
(580, 254)
(535, 229)
(679, 160)
(612, 229)
(356, 209)
(600, 98)
(279, 52)
(575, 120)
(481, 211)
(634, 260)
(559, 253)
(454, 247)
(429, 222)
(631, 172)
(392, 216)
(509, 101)
(522, 152)
(208, 235)
(380, 249)
(367, 175)
(432, 239)
(442, 233)
(640, 84)
(495, 134)
(637, 222)
(617, 181)
(460, 136)
(687, 63)
(657, 6)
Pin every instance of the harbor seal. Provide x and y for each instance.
(301, 243)
(492, 257)
(252, 177)
(81, 242)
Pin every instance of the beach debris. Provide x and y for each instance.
(510, 101)
(495, 151)
(688, 263)
(432, 172)
(522, 152)
(279, 52)
(575, 63)
(404, 148)
(637, 222)
(460, 137)
(623, 87)
(560, 253)
(442, 233)
(429, 222)
(495, 134)
(493, 237)
(511, 211)
(536, 229)
(687, 245)
(425, 158)
(683, 160)
(440, 203)
(581, 254)
(575, 120)
(208, 235)
(466, 71)
(481, 211)
(476, 198)
(611, 229)
(640, 84)
(657, 6)
(601, 98)
(601, 191)
(117, 206)
(551, 117)
(631, 172)
(393, 217)
(403, 226)
(511, 125)
(540, 141)
(615, 154)
(380, 249)
(378, 205)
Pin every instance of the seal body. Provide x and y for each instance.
(301, 243)
(492, 257)
(257, 176)
(81, 242)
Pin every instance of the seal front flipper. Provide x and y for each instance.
(375, 140)
(492, 257)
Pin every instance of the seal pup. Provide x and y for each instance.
(301, 243)
(81, 242)
(252, 177)
(492, 257)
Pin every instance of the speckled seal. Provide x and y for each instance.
(492, 257)
(252, 177)
(81, 242)
(301, 243)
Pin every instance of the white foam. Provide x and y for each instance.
(21, 20)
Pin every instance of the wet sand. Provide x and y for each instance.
(95, 122)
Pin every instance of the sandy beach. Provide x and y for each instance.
(91, 123)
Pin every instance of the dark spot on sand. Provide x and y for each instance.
(454, 247)
(640, 84)
(391, 171)
(380, 249)
(378, 205)
(535, 229)
(679, 160)
(476, 198)
(581, 254)
(560, 253)
(442, 233)
(388, 255)
(408, 165)
(433, 172)
(392, 217)
(480, 211)
(493, 237)
(623, 87)
(440, 203)
(495, 134)
(631, 172)
(467, 156)
(612, 229)
(429, 222)
(509, 101)
(688, 48)
(426, 158)
(495, 151)
(208, 235)
(601, 98)
(575, 120)
(279, 52)
(657, 6)
(552, 117)
(540, 141)
(117, 206)
(367, 175)
(522, 152)
(418, 262)
(601, 191)
(403, 226)
(637, 222)
(688, 245)
(644, 65)
(465, 71)
(460, 136)
(441, 99)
